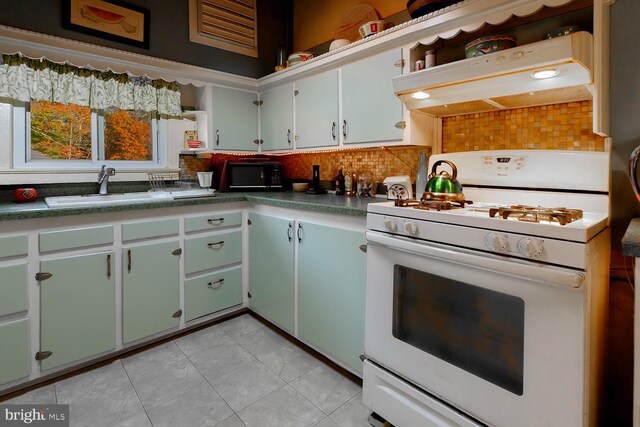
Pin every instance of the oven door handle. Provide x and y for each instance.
(540, 273)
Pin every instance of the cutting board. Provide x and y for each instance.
(354, 19)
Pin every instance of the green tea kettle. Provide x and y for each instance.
(443, 182)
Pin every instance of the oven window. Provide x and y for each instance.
(475, 329)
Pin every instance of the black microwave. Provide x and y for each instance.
(242, 176)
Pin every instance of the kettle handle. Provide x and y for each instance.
(454, 169)
(633, 173)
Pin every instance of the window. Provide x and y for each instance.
(67, 135)
(226, 24)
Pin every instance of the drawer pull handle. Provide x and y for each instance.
(129, 261)
(216, 285)
(289, 230)
(299, 233)
(108, 266)
(215, 221)
(216, 245)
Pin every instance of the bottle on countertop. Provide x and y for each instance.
(340, 183)
(348, 182)
(354, 183)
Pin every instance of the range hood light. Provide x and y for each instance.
(420, 95)
(545, 74)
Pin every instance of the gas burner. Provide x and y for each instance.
(537, 214)
(434, 201)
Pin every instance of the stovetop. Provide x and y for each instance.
(477, 215)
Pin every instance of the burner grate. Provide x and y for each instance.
(435, 201)
(537, 214)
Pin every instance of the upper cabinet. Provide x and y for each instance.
(316, 106)
(276, 118)
(234, 119)
(370, 110)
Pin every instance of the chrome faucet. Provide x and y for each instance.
(103, 178)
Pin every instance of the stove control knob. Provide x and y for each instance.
(496, 242)
(390, 225)
(411, 228)
(530, 247)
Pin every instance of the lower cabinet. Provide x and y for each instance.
(77, 307)
(207, 294)
(14, 357)
(150, 289)
(331, 290)
(271, 246)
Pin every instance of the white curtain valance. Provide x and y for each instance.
(25, 79)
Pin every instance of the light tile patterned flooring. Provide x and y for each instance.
(232, 374)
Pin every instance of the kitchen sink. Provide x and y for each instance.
(88, 200)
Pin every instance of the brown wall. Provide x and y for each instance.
(315, 22)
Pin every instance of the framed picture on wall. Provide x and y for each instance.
(112, 20)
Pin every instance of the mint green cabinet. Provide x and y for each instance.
(271, 246)
(150, 289)
(331, 290)
(276, 118)
(13, 289)
(15, 362)
(212, 251)
(370, 110)
(316, 106)
(235, 119)
(207, 294)
(77, 307)
(13, 246)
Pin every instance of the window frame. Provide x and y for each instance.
(22, 140)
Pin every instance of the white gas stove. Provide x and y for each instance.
(478, 315)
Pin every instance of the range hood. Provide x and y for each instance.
(504, 79)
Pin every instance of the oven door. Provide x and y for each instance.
(499, 339)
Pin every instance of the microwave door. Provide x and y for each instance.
(250, 176)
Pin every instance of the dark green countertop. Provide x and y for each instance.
(325, 203)
(631, 239)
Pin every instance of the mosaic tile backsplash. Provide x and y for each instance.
(551, 127)
(379, 162)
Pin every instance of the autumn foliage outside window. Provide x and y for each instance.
(61, 131)
(127, 135)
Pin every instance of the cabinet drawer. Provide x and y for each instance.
(15, 362)
(13, 289)
(76, 238)
(212, 251)
(212, 221)
(13, 246)
(213, 292)
(143, 230)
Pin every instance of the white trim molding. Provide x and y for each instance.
(81, 54)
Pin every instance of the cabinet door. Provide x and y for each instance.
(276, 118)
(77, 307)
(235, 119)
(370, 110)
(316, 108)
(331, 284)
(150, 289)
(271, 268)
(14, 358)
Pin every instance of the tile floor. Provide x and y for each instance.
(236, 373)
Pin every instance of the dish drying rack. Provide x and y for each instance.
(172, 182)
